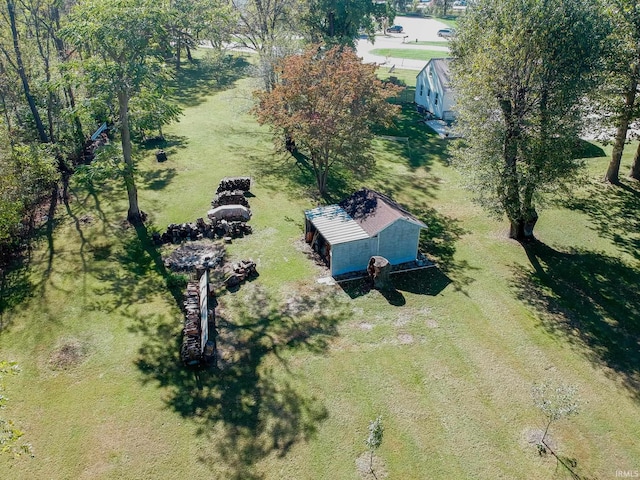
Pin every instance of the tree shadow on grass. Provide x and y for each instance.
(438, 242)
(247, 408)
(589, 299)
(15, 287)
(135, 274)
(157, 179)
(613, 210)
(418, 145)
(198, 79)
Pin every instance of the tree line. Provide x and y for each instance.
(524, 72)
(68, 66)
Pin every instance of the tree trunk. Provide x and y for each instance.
(509, 192)
(178, 51)
(68, 90)
(612, 175)
(133, 215)
(23, 76)
(635, 166)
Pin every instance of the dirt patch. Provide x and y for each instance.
(532, 437)
(405, 338)
(365, 326)
(68, 354)
(188, 255)
(364, 467)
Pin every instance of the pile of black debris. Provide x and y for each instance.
(229, 184)
(179, 232)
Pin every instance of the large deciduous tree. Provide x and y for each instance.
(327, 102)
(123, 41)
(621, 77)
(340, 22)
(520, 68)
(269, 28)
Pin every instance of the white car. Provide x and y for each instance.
(446, 32)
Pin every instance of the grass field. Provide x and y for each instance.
(409, 54)
(92, 318)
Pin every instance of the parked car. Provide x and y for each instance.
(395, 29)
(446, 32)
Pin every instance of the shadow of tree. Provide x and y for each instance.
(613, 210)
(196, 80)
(15, 287)
(136, 272)
(590, 299)
(246, 408)
(157, 179)
(438, 241)
(422, 145)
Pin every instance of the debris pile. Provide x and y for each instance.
(195, 255)
(240, 272)
(191, 350)
(229, 184)
(230, 197)
(199, 321)
(227, 218)
(179, 232)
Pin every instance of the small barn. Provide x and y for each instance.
(365, 224)
(433, 89)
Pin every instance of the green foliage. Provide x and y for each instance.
(555, 401)
(340, 22)
(328, 102)
(376, 432)
(28, 171)
(520, 71)
(374, 439)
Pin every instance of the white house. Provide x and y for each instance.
(367, 223)
(433, 91)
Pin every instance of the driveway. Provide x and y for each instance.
(415, 29)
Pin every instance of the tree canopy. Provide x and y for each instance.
(327, 102)
(124, 41)
(520, 69)
(340, 22)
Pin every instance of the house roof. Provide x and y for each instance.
(335, 225)
(441, 68)
(374, 211)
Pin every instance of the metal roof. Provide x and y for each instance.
(335, 225)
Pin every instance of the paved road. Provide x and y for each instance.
(421, 29)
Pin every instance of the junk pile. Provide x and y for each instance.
(230, 197)
(227, 219)
(199, 320)
(240, 272)
(195, 255)
(229, 184)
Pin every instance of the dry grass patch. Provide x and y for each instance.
(368, 470)
(70, 353)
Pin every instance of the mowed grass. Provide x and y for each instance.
(448, 359)
(409, 53)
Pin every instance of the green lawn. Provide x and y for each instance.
(448, 359)
(432, 44)
(410, 54)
